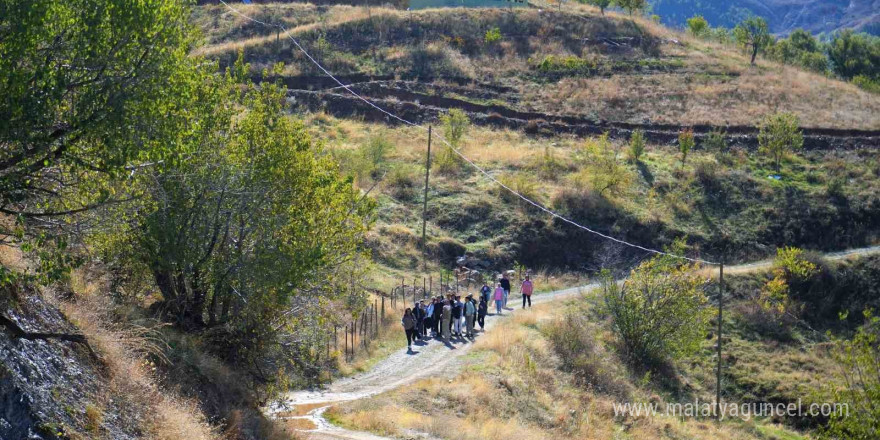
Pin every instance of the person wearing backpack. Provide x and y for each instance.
(526, 290)
(470, 314)
(409, 326)
(499, 298)
(505, 284)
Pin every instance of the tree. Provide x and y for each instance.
(632, 6)
(455, 126)
(685, 143)
(601, 4)
(752, 33)
(659, 312)
(604, 173)
(858, 384)
(854, 54)
(246, 229)
(79, 79)
(778, 134)
(697, 25)
(636, 145)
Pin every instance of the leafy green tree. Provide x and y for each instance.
(245, 227)
(632, 6)
(80, 79)
(601, 4)
(859, 389)
(778, 134)
(697, 25)
(685, 143)
(455, 126)
(659, 312)
(636, 145)
(854, 54)
(753, 34)
(604, 173)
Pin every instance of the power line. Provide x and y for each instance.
(455, 150)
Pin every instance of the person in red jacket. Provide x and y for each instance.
(526, 289)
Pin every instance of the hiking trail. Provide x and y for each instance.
(402, 367)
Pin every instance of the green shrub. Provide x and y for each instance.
(685, 143)
(866, 83)
(447, 162)
(603, 172)
(636, 145)
(658, 313)
(859, 359)
(493, 35)
(778, 134)
(716, 141)
(697, 25)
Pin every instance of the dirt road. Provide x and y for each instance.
(402, 367)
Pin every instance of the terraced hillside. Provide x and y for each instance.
(542, 86)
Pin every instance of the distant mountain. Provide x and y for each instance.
(783, 16)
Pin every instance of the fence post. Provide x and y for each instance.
(431, 285)
(383, 308)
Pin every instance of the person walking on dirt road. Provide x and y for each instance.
(505, 284)
(485, 293)
(470, 313)
(429, 317)
(457, 313)
(445, 319)
(409, 326)
(499, 298)
(526, 289)
(419, 314)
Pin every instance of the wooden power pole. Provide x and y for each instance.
(720, 318)
(425, 201)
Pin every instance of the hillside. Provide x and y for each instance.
(579, 67)
(783, 16)
(203, 235)
(539, 98)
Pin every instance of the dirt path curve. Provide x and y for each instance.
(402, 368)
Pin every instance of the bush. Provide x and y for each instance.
(859, 360)
(447, 162)
(866, 83)
(685, 143)
(659, 312)
(493, 35)
(778, 134)
(697, 25)
(603, 173)
(636, 145)
(716, 141)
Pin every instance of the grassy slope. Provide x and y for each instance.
(514, 385)
(832, 191)
(661, 75)
(517, 380)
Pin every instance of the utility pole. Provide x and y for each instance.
(425, 203)
(720, 317)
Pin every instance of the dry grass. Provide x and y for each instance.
(515, 390)
(122, 349)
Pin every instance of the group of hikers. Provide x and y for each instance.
(441, 317)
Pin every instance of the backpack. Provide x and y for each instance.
(409, 322)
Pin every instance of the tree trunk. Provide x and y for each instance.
(754, 53)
